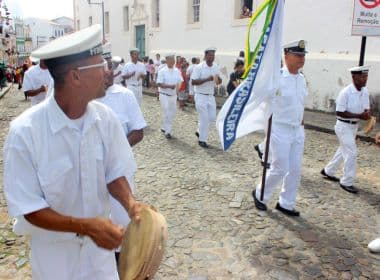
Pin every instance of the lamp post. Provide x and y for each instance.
(102, 4)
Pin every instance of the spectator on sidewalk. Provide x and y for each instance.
(182, 93)
(236, 76)
(151, 71)
(352, 105)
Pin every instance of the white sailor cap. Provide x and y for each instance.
(360, 69)
(298, 46)
(107, 54)
(131, 50)
(79, 45)
(210, 49)
(169, 55)
(116, 59)
(34, 59)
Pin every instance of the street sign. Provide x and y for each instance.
(366, 18)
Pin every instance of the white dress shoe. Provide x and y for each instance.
(374, 246)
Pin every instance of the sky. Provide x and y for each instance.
(47, 9)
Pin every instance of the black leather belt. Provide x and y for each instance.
(347, 121)
(166, 94)
(203, 93)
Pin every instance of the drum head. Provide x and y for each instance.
(143, 246)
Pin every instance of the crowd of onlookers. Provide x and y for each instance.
(13, 74)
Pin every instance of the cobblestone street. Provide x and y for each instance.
(215, 232)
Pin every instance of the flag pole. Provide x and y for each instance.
(266, 155)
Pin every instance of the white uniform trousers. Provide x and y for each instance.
(346, 153)
(73, 259)
(137, 91)
(168, 109)
(206, 108)
(287, 145)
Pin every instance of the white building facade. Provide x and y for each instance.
(43, 31)
(187, 27)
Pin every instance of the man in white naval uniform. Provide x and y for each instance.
(134, 73)
(37, 81)
(74, 155)
(352, 105)
(287, 136)
(204, 78)
(123, 103)
(189, 72)
(117, 70)
(168, 80)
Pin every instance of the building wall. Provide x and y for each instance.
(325, 25)
(42, 31)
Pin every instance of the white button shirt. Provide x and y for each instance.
(138, 68)
(289, 104)
(118, 79)
(352, 100)
(123, 102)
(66, 169)
(203, 71)
(62, 167)
(34, 78)
(169, 76)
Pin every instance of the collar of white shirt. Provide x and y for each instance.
(58, 120)
(286, 73)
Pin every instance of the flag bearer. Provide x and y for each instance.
(287, 137)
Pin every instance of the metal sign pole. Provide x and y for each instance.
(362, 50)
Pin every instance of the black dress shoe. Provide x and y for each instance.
(203, 144)
(162, 130)
(259, 153)
(328, 177)
(168, 136)
(259, 205)
(350, 189)
(197, 134)
(293, 213)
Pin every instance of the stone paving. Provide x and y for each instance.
(215, 232)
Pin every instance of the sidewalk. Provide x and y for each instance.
(314, 120)
(5, 89)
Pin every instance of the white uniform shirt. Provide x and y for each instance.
(157, 64)
(123, 102)
(118, 79)
(138, 68)
(169, 76)
(34, 78)
(63, 167)
(289, 104)
(352, 100)
(203, 71)
(189, 72)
